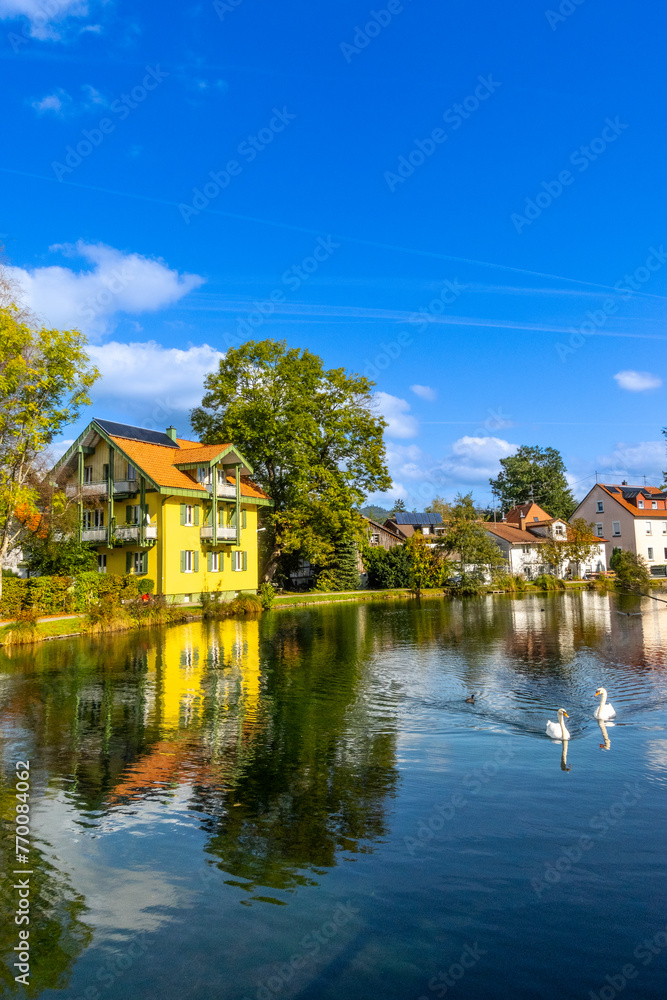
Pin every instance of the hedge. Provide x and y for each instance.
(59, 595)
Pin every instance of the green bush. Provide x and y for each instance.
(512, 584)
(57, 595)
(267, 595)
(545, 581)
(387, 568)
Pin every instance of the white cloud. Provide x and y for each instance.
(637, 381)
(115, 283)
(474, 460)
(633, 461)
(406, 461)
(175, 381)
(396, 412)
(424, 392)
(61, 104)
(50, 20)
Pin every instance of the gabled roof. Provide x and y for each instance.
(157, 456)
(529, 511)
(383, 527)
(624, 495)
(519, 537)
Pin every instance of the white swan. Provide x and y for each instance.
(603, 711)
(557, 730)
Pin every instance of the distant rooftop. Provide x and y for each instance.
(403, 517)
(136, 433)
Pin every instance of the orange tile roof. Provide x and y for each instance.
(518, 537)
(202, 453)
(159, 463)
(527, 509)
(636, 511)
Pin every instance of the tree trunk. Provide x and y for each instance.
(271, 565)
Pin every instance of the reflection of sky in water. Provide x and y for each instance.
(287, 764)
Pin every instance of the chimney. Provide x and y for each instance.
(624, 483)
(171, 433)
(522, 521)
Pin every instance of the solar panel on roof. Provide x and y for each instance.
(405, 517)
(612, 489)
(136, 433)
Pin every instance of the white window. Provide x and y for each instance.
(204, 474)
(640, 504)
(375, 539)
(132, 513)
(87, 519)
(101, 564)
(238, 561)
(188, 559)
(654, 504)
(616, 527)
(87, 473)
(600, 507)
(215, 562)
(598, 530)
(189, 514)
(650, 553)
(98, 518)
(559, 529)
(131, 471)
(138, 562)
(186, 600)
(649, 528)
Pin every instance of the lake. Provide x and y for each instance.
(306, 806)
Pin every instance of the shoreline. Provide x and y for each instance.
(282, 602)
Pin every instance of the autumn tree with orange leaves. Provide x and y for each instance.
(45, 377)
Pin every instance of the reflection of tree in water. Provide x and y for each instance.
(312, 781)
(58, 933)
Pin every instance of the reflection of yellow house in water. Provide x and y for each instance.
(200, 673)
(191, 654)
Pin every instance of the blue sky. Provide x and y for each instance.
(464, 200)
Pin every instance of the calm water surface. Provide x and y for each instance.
(305, 806)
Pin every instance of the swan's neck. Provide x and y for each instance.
(603, 698)
(562, 727)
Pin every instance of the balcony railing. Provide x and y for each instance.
(94, 535)
(227, 490)
(132, 533)
(100, 488)
(223, 534)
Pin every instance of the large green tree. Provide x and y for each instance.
(465, 539)
(535, 474)
(45, 377)
(312, 436)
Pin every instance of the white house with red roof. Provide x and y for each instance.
(522, 535)
(632, 518)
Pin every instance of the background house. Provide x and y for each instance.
(406, 524)
(632, 518)
(521, 538)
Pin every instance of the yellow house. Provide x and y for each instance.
(179, 512)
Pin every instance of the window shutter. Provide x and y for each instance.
(105, 472)
(182, 513)
(182, 555)
(244, 519)
(196, 515)
(128, 562)
(196, 562)
(209, 560)
(209, 516)
(102, 518)
(233, 555)
(245, 561)
(232, 517)
(145, 510)
(128, 515)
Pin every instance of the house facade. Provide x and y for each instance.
(179, 512)
(632, 518)
(521, 537)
